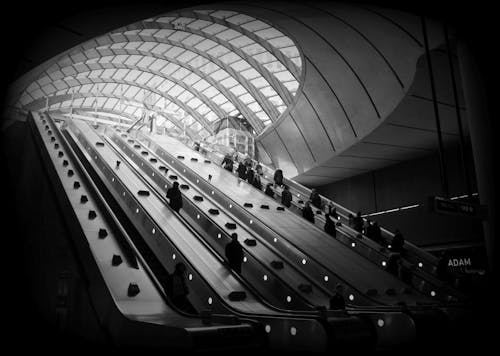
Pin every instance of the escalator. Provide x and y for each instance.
(125, 294)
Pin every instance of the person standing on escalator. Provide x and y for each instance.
(286, 197)
(278, 177)
(307, 212)
(175, 197)
(337, 301)
(234, 253)
(242, 172)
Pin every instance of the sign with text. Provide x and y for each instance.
(455, 207)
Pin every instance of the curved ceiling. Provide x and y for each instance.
(190, 67)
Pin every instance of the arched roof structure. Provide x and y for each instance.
(313, 81)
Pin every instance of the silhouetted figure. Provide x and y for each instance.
(351, 220)
(332, 211)
(257, 182)
(227, 163)
(404, 273)
(234, 253)
(307, 212)
(397, 242)
(377, 234)
(175, 197)
(367, 228)
(242, 172)
(315, 198)
(269, 190)
(278, 177)
(178, 289)
(286, 197)
(258, 169)
(357, 222)
(392, 264)
(330, 226)
(337, 301)
(250, 175)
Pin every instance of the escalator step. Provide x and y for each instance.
(248, 205)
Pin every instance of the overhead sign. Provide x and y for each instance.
(456, 207)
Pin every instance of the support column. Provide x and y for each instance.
(481, 132)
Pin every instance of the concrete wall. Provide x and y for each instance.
(409, 183)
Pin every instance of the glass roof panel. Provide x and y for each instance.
(211, 116)
(259, 82)
(132, 75)
(276, 100)
(166, 19)
(254, 25)
(145, 62)
(192, 40)
(161, 48)
(170, 68)
(158, 64)
(205, 45)
(228, 34)
(198, 61)
(194, 103)
(241, 41)
(198, 24)
(240, 65)
(133, 45)
(297, 61)
(284, 76)
(185, 96)
(229, 58)
(178, 36)
(292, 86)
(229, 82)
(264, 57)
(180, 73)
(191, 78)
(165, 86)
(281, 42)
(238, 90)
(147, 46)
(214, 28)
(120, 73)
(268, 33)
(186, 56)
(203, 109)
(211, 92)
(227, 107)
(246, 98)
(219, 99)
(239, 19)
(255, 107)
(250, 74)
(219, 75)
(196, 126)
(143, 78)
(175, 90)
(201, 85)
(218, 51)
(268, 91)
(173, 52)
